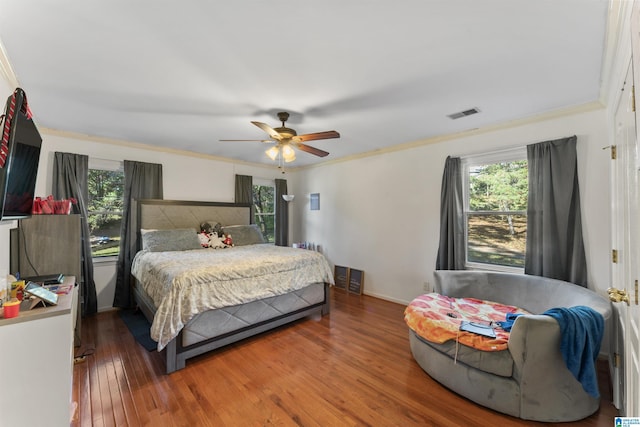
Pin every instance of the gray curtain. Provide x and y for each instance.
(451, 251)
(555, 247)
(141, 181)
(282, 214)
(70, 179)
(244, 192)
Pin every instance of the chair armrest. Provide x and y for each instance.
(534, 344)
(545, 381)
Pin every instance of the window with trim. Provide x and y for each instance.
(105, 205)
(495, 213)
(264, 195)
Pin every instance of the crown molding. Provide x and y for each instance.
(148, 147)
(5, 68)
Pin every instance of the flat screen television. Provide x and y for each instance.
(18, 176)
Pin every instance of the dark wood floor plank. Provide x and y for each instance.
(350, 368)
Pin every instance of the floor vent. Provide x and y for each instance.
(464, 113)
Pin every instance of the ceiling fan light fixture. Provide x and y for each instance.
(288, 153)
(272, 153)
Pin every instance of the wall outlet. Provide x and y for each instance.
(426, 286)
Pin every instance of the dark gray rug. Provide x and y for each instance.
(139, 327)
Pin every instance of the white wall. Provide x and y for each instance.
(380, 214)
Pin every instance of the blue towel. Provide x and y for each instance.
(581, 329)
(508, 323)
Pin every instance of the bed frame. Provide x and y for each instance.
(166, 214)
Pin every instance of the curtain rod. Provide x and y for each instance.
(514, 148)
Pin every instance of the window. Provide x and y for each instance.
(106, 200)
(495, 211)
(264, 193)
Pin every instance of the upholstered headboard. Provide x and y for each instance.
(166, 214)
(171, 214)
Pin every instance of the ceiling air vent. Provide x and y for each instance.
(464, 113)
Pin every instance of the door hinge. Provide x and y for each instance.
(616, 360)
(614, 152)
(614, 256)
(633, 98)
(636, 290)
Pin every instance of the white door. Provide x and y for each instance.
(625, 136)
(628, 170)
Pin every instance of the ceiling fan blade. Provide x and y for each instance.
(246, 140)
(315, 136)
(268, 129)
(312, 150)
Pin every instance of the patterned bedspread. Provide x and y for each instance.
(437, 318)
(185, 283)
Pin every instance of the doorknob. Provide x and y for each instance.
(618, 295)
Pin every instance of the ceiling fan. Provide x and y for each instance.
(286, 139)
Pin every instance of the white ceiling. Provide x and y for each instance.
(185, 74)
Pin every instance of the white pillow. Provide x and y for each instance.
(211, 241)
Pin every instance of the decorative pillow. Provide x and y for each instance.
(244, 234)
(210, 240)
(203, 238)
(177, 239)
(206, 227)
(217, 228)
(211, 227)
(216, 242)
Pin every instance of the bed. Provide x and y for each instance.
(200, 299)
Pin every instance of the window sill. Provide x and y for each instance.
(492, 267)
(103, 260)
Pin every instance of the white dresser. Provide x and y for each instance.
(36, 359)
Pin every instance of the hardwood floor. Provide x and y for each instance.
(350, 368)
